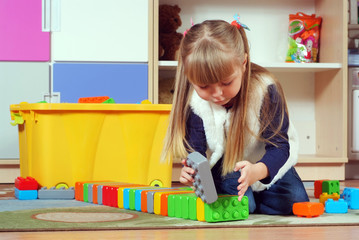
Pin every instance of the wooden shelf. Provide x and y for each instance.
(275, 67)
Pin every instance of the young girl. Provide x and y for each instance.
(233, 112)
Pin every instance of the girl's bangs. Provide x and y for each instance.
(208, 66)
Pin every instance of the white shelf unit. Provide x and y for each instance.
(316, 92)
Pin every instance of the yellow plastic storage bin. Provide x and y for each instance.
(63, 143)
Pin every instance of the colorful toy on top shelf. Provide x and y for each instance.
(308, 209)
(93, 99)
(339, 206)
(203, 180)
(351, 196)
(331, 186)
(27, 183)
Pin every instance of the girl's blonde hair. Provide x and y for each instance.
(210, 52)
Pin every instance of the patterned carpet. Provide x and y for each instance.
(68, 215)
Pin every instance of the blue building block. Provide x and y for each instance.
(25, 194)
(57, 193)
(339, 206)
(203, 179)
(351, 196)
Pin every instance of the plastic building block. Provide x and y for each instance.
(25, 194)
(339, 206)
(308, 209)
(110, 100)
(351, 196)
(56, 193)
(79, 189)
(318, 187)
(27, 183)
(331, 186)
(200, 210)
(129, 196)
(164, 201)
(93, 99)
(325, 196)
(138, 197)
(203, 180)
(160, 199)
(226, 208)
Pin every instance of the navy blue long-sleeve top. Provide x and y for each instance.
(276, 152)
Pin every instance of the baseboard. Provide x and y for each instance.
(9, 170)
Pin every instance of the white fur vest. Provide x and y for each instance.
(216, 124)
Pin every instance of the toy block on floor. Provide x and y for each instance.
(161, 199)
(57, 193)
(203, 180)
(331, 186)
(318, 187)
(325, 196)
(226, 208)
(25, 194)
(308, 209)
(28, 183)
(339, 206)
(351, 196)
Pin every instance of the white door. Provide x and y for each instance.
(19, 82)
(102, 30)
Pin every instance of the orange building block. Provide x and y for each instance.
(93, 99)
(308, 209)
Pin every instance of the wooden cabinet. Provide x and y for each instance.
(316, 92)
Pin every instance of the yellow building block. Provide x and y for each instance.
(200, 210)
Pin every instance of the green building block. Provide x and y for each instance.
(189, 206)
(226, 208)
(331, 186)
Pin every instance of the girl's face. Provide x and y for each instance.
(222, 92)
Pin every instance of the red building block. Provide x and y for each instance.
(308, 209)
(27, 183)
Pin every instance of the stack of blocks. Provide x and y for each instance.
(203, 204)
(28, 189)
(330, 200)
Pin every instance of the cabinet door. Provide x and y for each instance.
(96, 30)
(125, 83)
(21, 38)
(19, 82)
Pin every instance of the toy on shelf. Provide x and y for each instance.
(179, 202)
(339, 206)
(351, 196)
(303, 38)
(203, 180)
(308, 209)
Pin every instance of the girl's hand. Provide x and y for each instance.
(250, 173)
(186, 174)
